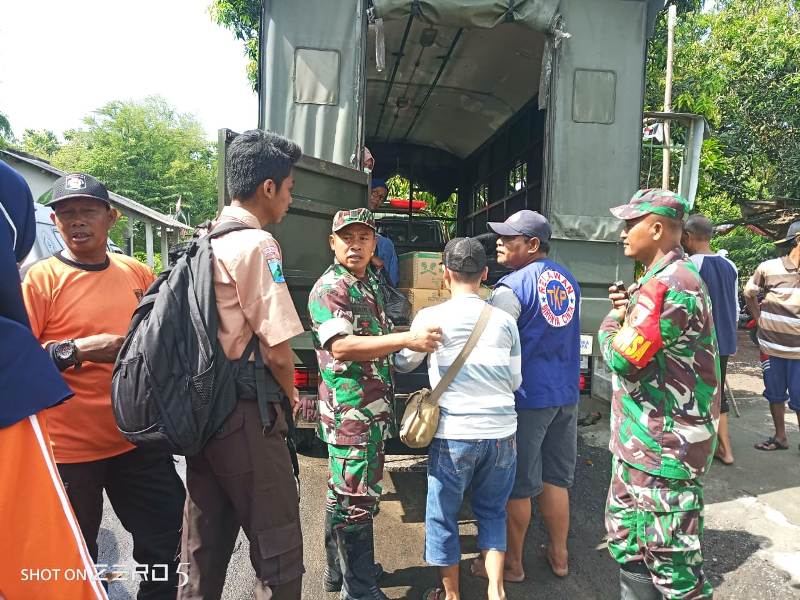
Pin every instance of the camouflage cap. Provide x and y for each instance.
(656, 201)
(343, 218)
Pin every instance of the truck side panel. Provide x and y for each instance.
(594, 140)
(313, 75)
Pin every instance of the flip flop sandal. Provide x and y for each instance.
(771, 441)
(434, 594)
(590, 419)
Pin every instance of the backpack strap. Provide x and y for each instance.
(224, 227)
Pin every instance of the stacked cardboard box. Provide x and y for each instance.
(421, 270)
(421, 298)
(422, 280)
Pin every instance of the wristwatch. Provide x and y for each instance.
(66, 354)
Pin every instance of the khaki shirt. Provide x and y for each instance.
(252, 295)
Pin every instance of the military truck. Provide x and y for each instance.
(510, 104)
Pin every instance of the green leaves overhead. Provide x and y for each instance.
(242, 17)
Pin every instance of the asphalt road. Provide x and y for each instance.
(734, 555)
(751, 545)
(400, 538)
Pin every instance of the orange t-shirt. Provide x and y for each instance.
(67, 301)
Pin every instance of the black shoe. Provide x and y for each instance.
(636, 583)
(357, 561)
(332, 580)
(334, 584)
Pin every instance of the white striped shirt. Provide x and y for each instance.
(479, 404)
(779, 324)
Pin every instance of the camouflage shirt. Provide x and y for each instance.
(666, 377)
(355, 398)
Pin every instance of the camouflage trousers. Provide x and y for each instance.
(660, 522)
(354, 484)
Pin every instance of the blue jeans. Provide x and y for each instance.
(782, 381)
(488, 466)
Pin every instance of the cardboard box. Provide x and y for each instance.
(421, 270)
(421, 298)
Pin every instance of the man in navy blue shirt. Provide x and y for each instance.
(722, 280)
(544, 298)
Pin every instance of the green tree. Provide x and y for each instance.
(40, 142)
(148, 152)
(6, 133)
(242, 17)
(738, 64)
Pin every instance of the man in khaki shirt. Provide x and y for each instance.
(243, 478)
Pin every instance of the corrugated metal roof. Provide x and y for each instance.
(126, 205)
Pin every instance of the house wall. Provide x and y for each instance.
(39, 180)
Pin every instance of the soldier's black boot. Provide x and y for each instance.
(636, 583)
(357, 560)
(332, 580)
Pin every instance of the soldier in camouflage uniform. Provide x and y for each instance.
(353, 342)
(660, 344)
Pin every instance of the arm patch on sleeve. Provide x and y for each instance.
(640, 336)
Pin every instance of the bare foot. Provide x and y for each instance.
(478, 569)
(726, 458)
(559, 562)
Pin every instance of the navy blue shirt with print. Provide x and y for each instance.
(721, 278)
(549, 326)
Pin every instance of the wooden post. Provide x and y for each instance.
(131, 233)
(164, 246)
(148, 242)
(671, 19)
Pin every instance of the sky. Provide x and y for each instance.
(60, 60)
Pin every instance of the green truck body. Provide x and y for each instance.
(529, 104)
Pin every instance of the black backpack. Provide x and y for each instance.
(173, 386)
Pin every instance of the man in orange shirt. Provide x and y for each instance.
(80, 302)
(40, 542)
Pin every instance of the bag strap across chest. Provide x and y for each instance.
(451, 373)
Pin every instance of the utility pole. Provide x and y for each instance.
(671, 19)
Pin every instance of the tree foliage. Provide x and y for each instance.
(738, 64)
(6, 133)
(148, 152)
(40, 142)
(399, 188)
(242, 17)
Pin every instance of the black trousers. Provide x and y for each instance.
(147, 495)
(723, 367)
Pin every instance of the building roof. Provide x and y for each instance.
(126, 205)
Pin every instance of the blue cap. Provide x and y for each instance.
(379, 183)
(524, 222)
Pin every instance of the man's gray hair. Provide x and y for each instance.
(700, 226)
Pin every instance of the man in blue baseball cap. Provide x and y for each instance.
(544, 298)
